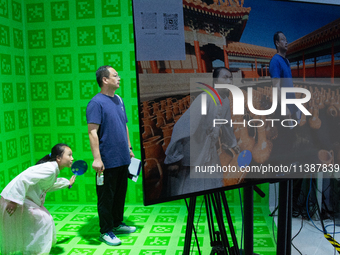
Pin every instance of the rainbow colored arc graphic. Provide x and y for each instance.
(208, 92)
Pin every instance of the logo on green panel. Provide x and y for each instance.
(35, 12)
(38, 65)
(86, 36)
(152, 252)
(39, 91)
(65, 116)
(162, 229)
(114, 59)
(111, 8)
(18, 38)
(85, 10)
(62, 64)
(157, 240)
(60, 11)
(112, 34)
(7, 93)
(87, 63)
(83, 251)
(61, 37)
(11, 149)
(19, 65)
(4, 35)
(36, 39)
(6, 64)
(166, 219)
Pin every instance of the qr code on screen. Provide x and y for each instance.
(170, 21)
(149, 20)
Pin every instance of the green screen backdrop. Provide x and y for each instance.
(49, 53)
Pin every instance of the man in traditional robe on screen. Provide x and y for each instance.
(195, 141)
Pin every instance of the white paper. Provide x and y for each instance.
(159, 30)
(134, 169)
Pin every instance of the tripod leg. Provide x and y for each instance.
(230, 223)
(248, 208)
(190, 225)
(210, 220)
(218, 211)
(289, 218)
(281, 247)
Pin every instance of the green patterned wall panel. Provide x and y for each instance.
(49, 53)
(19, 62)
(36, 39)
(9, 121)
(4, 35)
(15, 137)
(18, 38)
(21, 92)
(23, 118)
(16, 11)
(70, 40)
(60, 11)
(85, 9)
(63, 90)
(6, 64)
(86, 36)
(7, 93)
(4, 9)
(35, 12)
(61, 37)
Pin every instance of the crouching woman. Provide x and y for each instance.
(26, 227)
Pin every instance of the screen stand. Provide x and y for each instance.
(214, 203)
(284, 225)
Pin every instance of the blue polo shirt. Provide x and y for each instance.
(109, 113)
(279, 67)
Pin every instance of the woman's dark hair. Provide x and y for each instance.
(102, 72)
(217, 71)
(57, 150)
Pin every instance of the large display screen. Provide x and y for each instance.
(235, 92)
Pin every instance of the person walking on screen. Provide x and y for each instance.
(26, 226)
(112, 152)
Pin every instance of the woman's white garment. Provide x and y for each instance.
(30, 229)
(193, 143)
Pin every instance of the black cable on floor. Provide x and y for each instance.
(297, 235)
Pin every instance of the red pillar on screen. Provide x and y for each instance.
(256, 75)
(154, 67)
(226, 59)
(198, 56)
(304, 67)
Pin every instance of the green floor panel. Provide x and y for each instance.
(160, 230)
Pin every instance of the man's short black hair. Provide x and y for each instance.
(102, 72)
(277, 37)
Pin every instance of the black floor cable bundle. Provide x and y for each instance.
(307, 206)
(333, 242)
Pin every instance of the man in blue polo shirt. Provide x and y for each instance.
(280, 72)
(112, 152)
